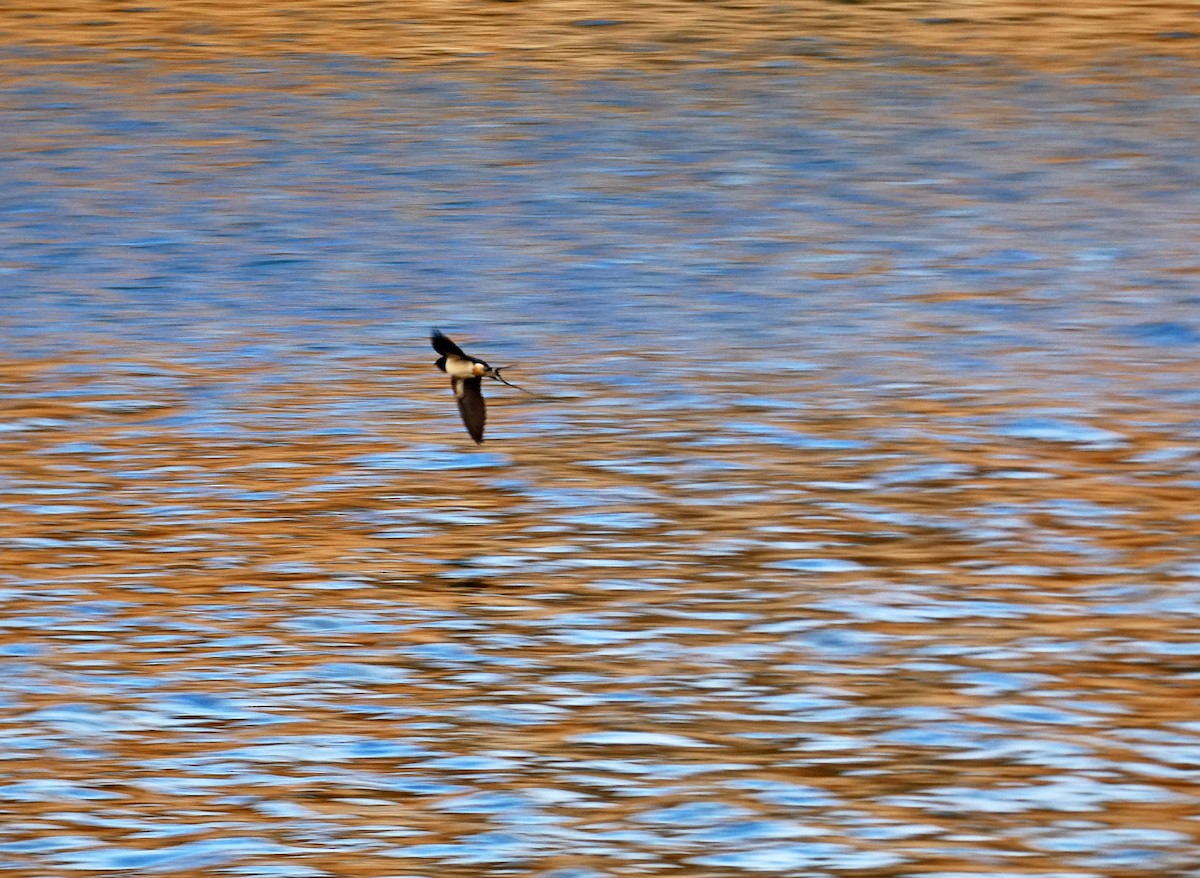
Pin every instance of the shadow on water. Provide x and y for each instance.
(858, 538)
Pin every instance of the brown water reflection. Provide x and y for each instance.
(642, 34)
(850, 529)
(904, 645)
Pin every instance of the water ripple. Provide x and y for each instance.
(847, 524)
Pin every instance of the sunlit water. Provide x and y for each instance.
(850, 525)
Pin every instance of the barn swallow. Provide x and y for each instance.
(466, 377)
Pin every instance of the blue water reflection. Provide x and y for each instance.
(847, 525)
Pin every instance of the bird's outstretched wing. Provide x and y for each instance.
(444, 346)
(471, 405)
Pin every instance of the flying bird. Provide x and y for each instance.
(466, 377)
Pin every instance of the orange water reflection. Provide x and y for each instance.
(600, 36)
(850, 528)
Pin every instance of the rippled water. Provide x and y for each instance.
(850, 527)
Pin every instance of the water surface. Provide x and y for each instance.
(849, 527)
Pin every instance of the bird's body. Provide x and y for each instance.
(466, 377)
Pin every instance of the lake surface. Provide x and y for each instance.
(849, 526)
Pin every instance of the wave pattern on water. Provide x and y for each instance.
(850, 527)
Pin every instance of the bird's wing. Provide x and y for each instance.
(471, 405)
(445, 347)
